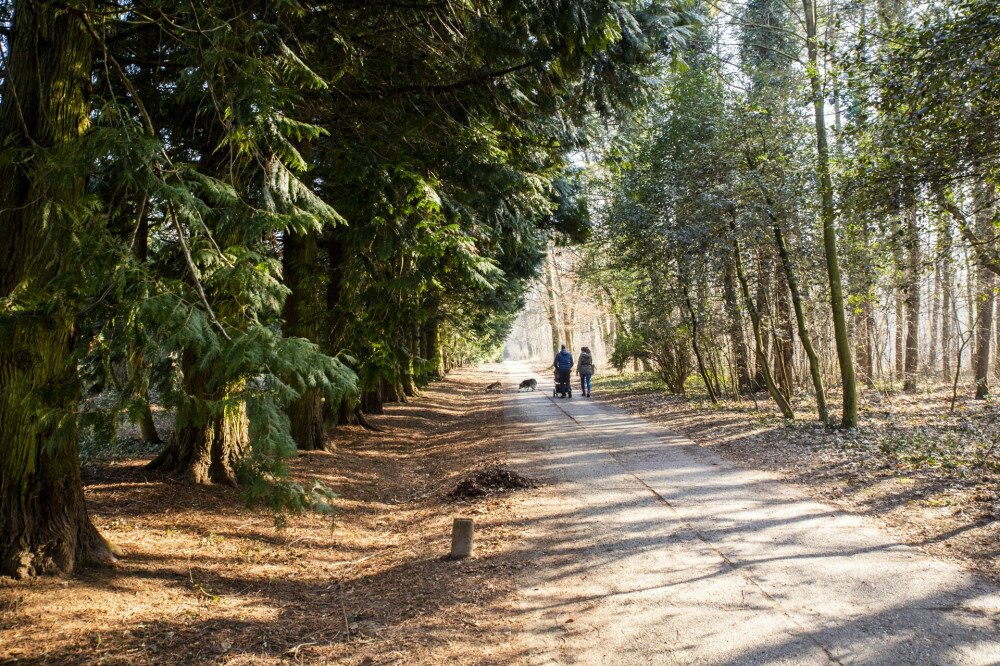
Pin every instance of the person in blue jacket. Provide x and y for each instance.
(563, 364)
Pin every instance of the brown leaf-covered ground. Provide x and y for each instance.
(929, 474)
(206, 580)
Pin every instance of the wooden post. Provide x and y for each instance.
(461, 538)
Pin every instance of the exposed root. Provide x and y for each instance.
(363, 422)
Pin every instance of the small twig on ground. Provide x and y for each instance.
(358, 561)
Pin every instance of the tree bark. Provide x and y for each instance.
(697, 350)
(211, 430)
(776, 395)
(984, 294)
(761, 303)
(850, 408)
(552, 303)
(935, 320)
(864, 342)
(946, 300)
(44, 526)
(800, 319)
(784, 348)
(736, 336)
(911, 366)
(299, 262)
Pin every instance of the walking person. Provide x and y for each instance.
(564, 365)
(585, 368)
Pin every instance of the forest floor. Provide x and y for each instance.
(206, 580)
(929, 475)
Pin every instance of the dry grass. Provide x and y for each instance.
(931, 476)
(206, 580)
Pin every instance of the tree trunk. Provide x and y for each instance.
(935, 320)
(147, 426)
(864, 342)
(44, 526)
(947, 305)
(371, 402)
(211, 430)
(899, 339)
(912, 366)
(784, 348)
(763, 278)
(996, 351)
(736, 336)
(299, 268)
(800, 320)
(776, 395)
(552, 303)
(432, 337)
(697, 350)
(828, 213)
(984, 297)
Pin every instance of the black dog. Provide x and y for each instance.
(528, 384)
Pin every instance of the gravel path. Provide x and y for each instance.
(648, 549)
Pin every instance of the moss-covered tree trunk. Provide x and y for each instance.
(44, 526)
(432, 338)
(211, 430)
(849, 417)
(791, 280)
(299, 267)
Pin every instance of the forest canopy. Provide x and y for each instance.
(809, 207)
(270, 218)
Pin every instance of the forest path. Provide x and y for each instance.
(647, 549)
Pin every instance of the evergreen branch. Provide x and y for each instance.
(194, 273)
(456, 85)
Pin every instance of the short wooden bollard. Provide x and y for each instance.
(461, 538)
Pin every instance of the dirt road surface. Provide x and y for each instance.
(648, 549)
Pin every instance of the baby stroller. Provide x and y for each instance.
(563, 387)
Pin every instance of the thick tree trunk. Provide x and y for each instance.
(371, 402)
(912, 367)
(211, 431)
(147, 426)
(432, 337)
(985, 280)
(828, 214)
(308, 427)
(552, 303)
(44, 526)
(299, 268)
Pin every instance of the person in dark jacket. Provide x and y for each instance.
(564, 365)
(586, 370)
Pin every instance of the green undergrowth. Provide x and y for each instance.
(895, 437)
(641, 383)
